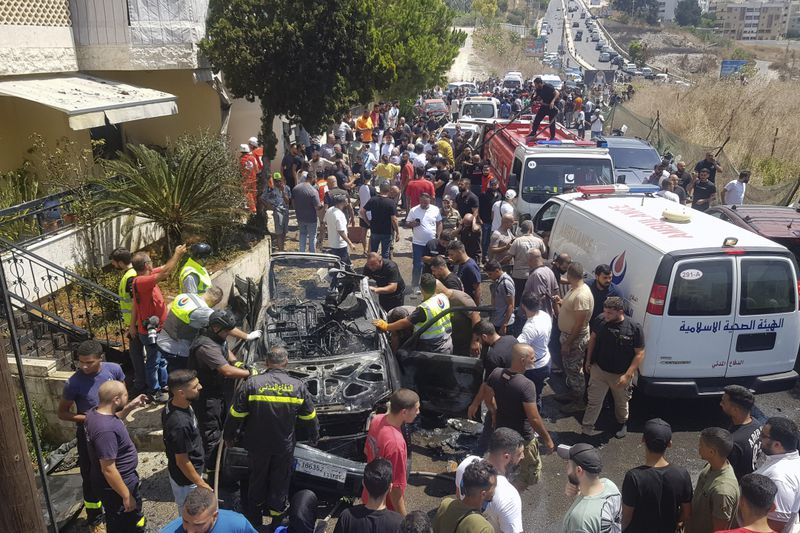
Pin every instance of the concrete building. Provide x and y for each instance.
(125, 71)
(666, 10)
(752, 20)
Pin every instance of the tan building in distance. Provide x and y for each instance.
(752, 20)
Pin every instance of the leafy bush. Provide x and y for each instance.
(39, 421)
(193, 189)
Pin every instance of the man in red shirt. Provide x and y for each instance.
(385, 440)
(417, 186)
(406, 174)
(149, 312)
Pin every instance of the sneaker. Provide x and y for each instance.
(589, 431)
(160, 397)
(622, 431)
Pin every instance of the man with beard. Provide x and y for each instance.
(466, 201)
(182, 440)
(597, 503)
(114, 457)
(486, 201)
(601, 288)
(779, 444)
(505, 452)
(469, 233)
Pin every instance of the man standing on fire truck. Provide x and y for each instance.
(548, 95)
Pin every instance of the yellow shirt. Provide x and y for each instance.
(386, 171)
(364, 125)
(445, 150)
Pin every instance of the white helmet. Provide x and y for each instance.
(243, 148)
(253, 141)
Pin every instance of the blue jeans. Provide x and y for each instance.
(538, 376)
(416, 265)
(308, 231)
(155, 366)
(385, 242)
(341, 253)
(486, 235)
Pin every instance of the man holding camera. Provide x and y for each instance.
(148, 315)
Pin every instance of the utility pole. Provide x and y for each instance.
(17, 486)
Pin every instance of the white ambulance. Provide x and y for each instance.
(718, 303)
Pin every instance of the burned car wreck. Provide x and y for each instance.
(322, 314)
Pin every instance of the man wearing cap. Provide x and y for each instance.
(486, 202)
(614, 353)
(277, 197)
(249, 168)
(502, 208)
(657, 496)
(257, 152)
(597, 502)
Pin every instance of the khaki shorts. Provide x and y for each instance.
(530, 467)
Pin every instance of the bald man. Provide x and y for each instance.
(541, 281)
(114, 458)
(501, 240)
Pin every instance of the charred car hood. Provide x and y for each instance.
(347, 383)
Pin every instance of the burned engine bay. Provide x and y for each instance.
(324, 321)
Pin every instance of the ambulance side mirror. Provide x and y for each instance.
(513, 182)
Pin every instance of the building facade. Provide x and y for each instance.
(752, 20)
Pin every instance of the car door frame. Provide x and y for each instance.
(447, 377)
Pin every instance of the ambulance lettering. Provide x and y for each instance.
(651, 222)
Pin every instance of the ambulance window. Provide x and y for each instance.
(702, 288)
(766, 287)
(517, 170)
(546, 217)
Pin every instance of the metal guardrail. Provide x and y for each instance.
(60, 298)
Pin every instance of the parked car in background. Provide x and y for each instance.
(579, 35)
(604, 57)
(776, 223)
(633, 159)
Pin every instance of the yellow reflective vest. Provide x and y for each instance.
(125, 301)
(203, 278)
(432, 307)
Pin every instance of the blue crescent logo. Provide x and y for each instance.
(183, 301)
(618, 269)
(440, 302)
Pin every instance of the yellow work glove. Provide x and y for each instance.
(381, 324)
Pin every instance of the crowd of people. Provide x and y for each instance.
(367, 179)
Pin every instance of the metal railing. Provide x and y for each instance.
(32, 221)
(61, 299)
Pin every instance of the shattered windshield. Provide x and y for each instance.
(295, 280)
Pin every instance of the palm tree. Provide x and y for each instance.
(194, 188)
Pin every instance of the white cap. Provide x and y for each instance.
(253, 141)
(510, 194)
(244, 148)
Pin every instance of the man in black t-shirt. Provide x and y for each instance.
(436, 248)
(515, 398)
(711, 164)
(182, 440)
(657, 496)
(466, 200)
(614, 353)
(704, 190)
(372, 515)
(548, 96)
(495, 348)
(381, 211)
(737, 403)
(441, 272)
(390, 286)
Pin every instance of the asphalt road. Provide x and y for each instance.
(554, 16)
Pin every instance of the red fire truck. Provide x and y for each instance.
(541, 168)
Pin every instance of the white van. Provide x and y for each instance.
(718, 303)
(480, 107)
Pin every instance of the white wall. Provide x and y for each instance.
(245, 122)
(66, 249)
(36, 49)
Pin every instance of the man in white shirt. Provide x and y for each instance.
(425, 220)
(666, 192)
(392, 115)
(501, 208)
(597, 125)
(336, 222)
(504, 512)
(779, 443)
(536, 332)
(733, 192)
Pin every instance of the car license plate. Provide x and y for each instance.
(321, 470)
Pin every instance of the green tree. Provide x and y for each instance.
(305, 60)
(194, 188)
(687, 13)
(646, 10)
(638, 52)
(421, 42)
(486, 9)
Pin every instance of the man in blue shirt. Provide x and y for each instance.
(80, 390)
(466, 269)
(201, 515)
